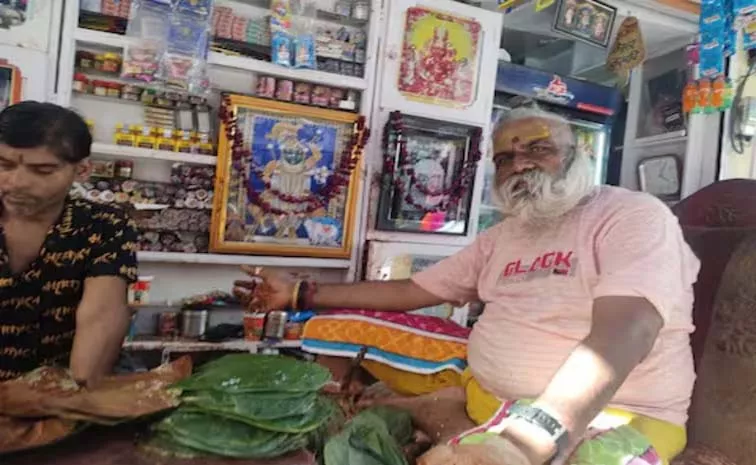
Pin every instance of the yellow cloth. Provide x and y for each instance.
(668, 439)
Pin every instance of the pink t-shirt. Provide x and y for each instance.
(539, 288)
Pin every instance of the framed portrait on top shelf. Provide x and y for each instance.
(428, 175)
(10, 84)
(395, 260)
(440, 56)
(590, 21)
(286, 181)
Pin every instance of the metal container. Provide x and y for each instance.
(193, 323)
(168, 324)
(361, 10)
(275, 325)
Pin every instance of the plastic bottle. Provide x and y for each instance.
(717, 94)
(690, 96)
(703, 103)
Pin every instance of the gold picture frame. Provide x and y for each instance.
(271, 190)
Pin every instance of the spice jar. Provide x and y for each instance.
(361, 10)
(285, 90)
(124, 169)
(343, 8)
(114, 89)
(99, 61)
(80, 83)
(100, 88)
(111, 63)
(131, 92)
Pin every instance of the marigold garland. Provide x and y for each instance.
(397, 165)
(334, 186)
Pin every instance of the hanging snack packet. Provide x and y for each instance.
(711, 59)
(280, 18)
(304, 44)
(201, 8)
(281, 48)
(146, 32)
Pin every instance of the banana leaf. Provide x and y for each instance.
(320, 413)
(225, 437)
(373, 437)
(254, 405)
(239, 373)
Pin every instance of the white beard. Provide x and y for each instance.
(538, 198)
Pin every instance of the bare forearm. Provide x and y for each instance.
(596, 369)
(398, 295)
(97, 345)
(622, 334)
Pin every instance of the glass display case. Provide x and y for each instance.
(663, 80)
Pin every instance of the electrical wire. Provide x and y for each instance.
(736, 112)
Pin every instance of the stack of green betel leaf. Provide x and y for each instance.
(374, 437)
(247, 406)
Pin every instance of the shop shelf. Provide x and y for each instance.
(222, 60)
(197, 346)
(253, 260)
(119, 151)
(672, 137)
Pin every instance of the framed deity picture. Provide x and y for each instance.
(286, 181)
(440, 56)
(10, 84)
(428, 174)
(591, 21)
(396, 260)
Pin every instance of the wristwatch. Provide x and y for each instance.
(543, 420)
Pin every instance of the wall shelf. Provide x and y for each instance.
(222, 60)
(197, 346)
(120, 151)
(252, 260)
(660, 139)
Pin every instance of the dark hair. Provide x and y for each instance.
(33, 124)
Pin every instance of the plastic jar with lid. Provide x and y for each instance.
(80, 83)
(111, 63)
(85, 59)
(114, 89)
(131, 92)
(100, 88)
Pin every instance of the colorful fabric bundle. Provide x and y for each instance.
(418, 344)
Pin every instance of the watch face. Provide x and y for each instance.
(659, 176)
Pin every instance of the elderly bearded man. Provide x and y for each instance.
(584, 340)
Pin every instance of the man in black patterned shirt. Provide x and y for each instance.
(64, 264)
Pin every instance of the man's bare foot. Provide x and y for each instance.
(441, 415)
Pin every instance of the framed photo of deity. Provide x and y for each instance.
(440, 56)
(590, 21)
(428, 174)
(400, 260)
(10, 84)
(286, 181)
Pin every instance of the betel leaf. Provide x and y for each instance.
(373, 437)
(253, 405)
(305, 423)
(239, 373)
(226, 437)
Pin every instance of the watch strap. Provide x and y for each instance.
(544, 420)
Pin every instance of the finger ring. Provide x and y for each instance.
(258, 270)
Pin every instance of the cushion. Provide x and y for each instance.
(723, 405)
(714, 247)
